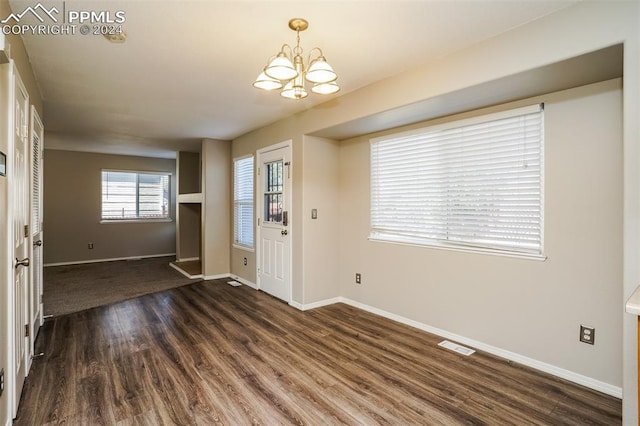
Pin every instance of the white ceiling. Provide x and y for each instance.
(186, 69)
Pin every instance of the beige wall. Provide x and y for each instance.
(320, 190)
(18, 53)
(189, 242)
(523, 306)
(216, 217)
(583, 28)
(72, 197)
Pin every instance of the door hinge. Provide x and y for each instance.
(258, 221)
(26, 330)
(258, 171)
(26, 231)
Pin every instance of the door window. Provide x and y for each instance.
(273, 192)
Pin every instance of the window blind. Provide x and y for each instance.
(243, 202)
(133, 195)
(476, 183)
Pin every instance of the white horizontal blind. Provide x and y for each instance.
(476, 183)
(243, 202)
(133, 195)
(36, 219)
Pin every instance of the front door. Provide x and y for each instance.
(19, 186)
(274, 201)
(35, 287)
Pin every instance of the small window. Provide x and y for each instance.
(134, 196)
(473, 184)
(243, 202)
(274, 191)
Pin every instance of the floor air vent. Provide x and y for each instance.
(234, 283)
(456, 348)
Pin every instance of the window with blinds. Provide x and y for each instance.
(471, 184)
(243, 202)
(134, 195)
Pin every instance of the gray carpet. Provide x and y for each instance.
(75, 288)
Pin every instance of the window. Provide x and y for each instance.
(134, 195)
(474, 184)
(274, 191)
(243, 202)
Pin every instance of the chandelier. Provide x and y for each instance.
(287, 70)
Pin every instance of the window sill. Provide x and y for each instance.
(110, 221)
(477, 250)
(245, 248)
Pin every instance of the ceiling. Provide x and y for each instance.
(186, 68)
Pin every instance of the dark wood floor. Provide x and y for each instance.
(209, 353)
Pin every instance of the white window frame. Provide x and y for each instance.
(386, 226)
(138, 219)
(237, 202)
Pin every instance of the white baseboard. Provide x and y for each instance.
(571, 376)
(245, 282)
(315, 305)
(216, 277)
(112, 259)
(187, 259)
(183, 272)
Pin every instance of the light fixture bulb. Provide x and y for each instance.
(265, 82)
(320, 71)
(281, 68)
(292, 91)
(325, 88)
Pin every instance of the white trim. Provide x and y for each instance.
(589, 382)
(314, 305)
(110, 221)
(187, 259)
(459, 248)
(216, 277)
(113, 259)
(183, 272)
(245, 282)
(245, 248)
(571, 376)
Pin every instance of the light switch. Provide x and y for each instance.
(314, 213)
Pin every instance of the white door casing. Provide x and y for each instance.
(35, 284)
(20, 216)
(273, 246)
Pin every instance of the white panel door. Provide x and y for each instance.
(274, 201)
(35, 287)
(19, 187)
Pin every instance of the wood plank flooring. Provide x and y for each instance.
(208, 353)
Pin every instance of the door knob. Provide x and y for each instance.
(284, 232)
(23, 262)
(38, 243)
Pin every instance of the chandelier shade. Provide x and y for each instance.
(325, 88)
(292, 91)
(281, 68)
(265, 82)
(320, 71)
(287, 70)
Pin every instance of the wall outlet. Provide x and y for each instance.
(1, 381)
(358, 278)
(244, 262)
(90, 246)
(587, 334)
